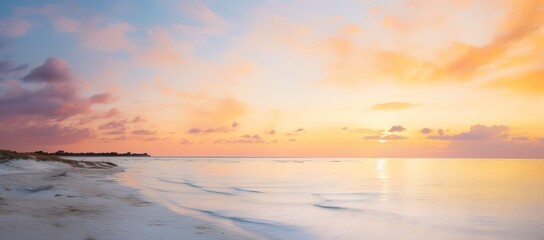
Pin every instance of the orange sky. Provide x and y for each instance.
(402, 78)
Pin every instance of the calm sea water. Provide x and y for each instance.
(282, 198)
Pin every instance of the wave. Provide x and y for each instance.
(157, 189)
(289, 161)
(246, 190)
(260, 222)
(331, 207)
(190, 184)
(354, 197)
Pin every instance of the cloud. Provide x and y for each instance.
(138, 119)
(195, 131)
(66, 24)
(119, 131)
(109, 38)
(101, 98)
(223, 129)
(476, 132)
(426, 131)
(49, 90)
(143, 132)
(14, 27)
(394, 137)
(211, 22)
(96, 33)
(52, 70)
(114, 127)
(119, 127)
(31, 136)
(499, 47)
(490, 141)
(256, 137)
(6, 67)
(397, 128)
(270, 132)
(392, 106)
(184, 141)
(244, 139)
(219, 130)
(527, 82)
(235, 124)
(385, 137)
(523, 20)
(164, 51)
(296, 132)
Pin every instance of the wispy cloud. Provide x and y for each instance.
(14, 27)
(143, 132)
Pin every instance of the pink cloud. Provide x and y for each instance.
(385, 137)
(495, 148)
(55, 93)
(164, 51)
(97, 33)
(65, 24)
(114, 127)
(14, 27)
(476, 132)
(143, 132)
(489, 141)
(426, 131)
(108, 37)
(7, 67)
(211, 22)
(52, 70)
(397, 129)
(28, 137)
(223, 129)
(101, 98)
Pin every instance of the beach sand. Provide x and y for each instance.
(51, 200)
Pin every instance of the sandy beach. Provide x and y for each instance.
(51, 200)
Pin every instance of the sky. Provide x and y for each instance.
(299, 78)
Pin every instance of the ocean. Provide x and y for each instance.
(350, 198)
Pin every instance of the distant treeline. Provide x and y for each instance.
(103, 154)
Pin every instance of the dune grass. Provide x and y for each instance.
(7, 155)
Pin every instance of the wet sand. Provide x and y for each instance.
(47, 200)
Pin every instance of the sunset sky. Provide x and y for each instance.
(394, 78)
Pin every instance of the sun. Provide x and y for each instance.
(382, 141)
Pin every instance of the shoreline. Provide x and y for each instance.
(51, 200)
